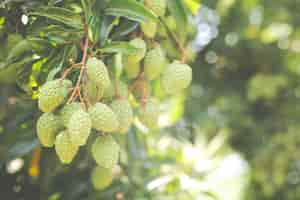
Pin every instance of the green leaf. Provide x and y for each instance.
(94, 28)
(21, 148)
(87, 8)
(68, 53)
(130, 9)
(124, 29)
(119, 47)
(106, 26)
(62, 15)
(177, 10)
(19, 49)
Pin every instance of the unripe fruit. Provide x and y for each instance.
(101, 177)
(79, 127)
(64, 148)
(157, 6)
(149, 28)
(141, 45)
(123, 110)
(149, 114)
(97, 72)
(121, 87)
(103, 118)
(105, 151)
(67, 111)
(176, 77)
(53, 94)
(94, 92)
(48, 125)
(132, 68)
(154, 63)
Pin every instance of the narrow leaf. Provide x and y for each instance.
(62, 15)
(130, 9)
(119, 47)
(177, 10)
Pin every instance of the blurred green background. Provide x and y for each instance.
(236, 132)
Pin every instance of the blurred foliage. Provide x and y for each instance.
(249, 82)
(244, 101)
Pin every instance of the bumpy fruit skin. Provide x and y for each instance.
(122, 90)
(154, 63)
(53, 94)
(67, 111)
(103, 118)
(97, 72)
(101, 177)
(105, 151)
(64, 148)
(157, 6)
(94, 92)
(132, 68)
(137, 57)
(79, 127)
(149, 28)
(149, 114)
(123, 111)
(176, 77)
(48, 125)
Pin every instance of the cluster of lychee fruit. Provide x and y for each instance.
(105, 103)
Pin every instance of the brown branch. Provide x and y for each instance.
(69, 69)
(77, 88)
(177, 42)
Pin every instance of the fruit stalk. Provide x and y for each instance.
(77, 92)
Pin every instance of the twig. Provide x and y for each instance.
(77, 88)
(69, 69)
(137, 79)
(177, 42)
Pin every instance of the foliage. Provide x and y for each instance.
(243, 100)
(249, 80)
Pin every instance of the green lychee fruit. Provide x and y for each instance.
(154, 63)
(101, 177)
(132, 68)
(79, 127)
(121, 89)
(149, 114)
(67, 111)
(105, 151)
(149, 28)
(157, 6)
(97, 72)
(48, 126)
(176, 77)
(141, 45)
(123, 110)
(52, 94)
(103, 118)
(94, 92)
(64, 148)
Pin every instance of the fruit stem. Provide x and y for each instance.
(175, 39)
(69, 69)
(77, 90)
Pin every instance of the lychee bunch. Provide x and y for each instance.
(102, 98)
